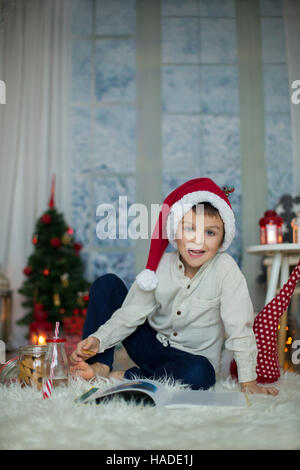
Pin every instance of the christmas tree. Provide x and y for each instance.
(54, 282)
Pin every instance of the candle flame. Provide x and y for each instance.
(41, 340)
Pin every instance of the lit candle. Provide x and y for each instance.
(271, 233)
(42, 339)
(38, 338)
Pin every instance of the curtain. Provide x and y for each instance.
(35, 44)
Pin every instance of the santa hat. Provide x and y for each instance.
(175, 206)
(265, 329)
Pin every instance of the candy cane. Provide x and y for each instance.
(48, 386)
(56, 330)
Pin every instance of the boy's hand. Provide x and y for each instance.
(253, 387)
(90, 344)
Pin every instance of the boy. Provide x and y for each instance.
(173, 319)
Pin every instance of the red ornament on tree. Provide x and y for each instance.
(28, 270)
(56, 242)
(46, 219)
(34, 240)
(46, 272)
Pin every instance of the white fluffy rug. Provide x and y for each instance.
(29, 422)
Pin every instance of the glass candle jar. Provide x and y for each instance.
(31, 363)
(56, 363)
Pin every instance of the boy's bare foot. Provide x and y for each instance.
(89, 371)
(117, 374)
(101, 369)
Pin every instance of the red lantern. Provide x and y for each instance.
(40, 329)
(270, 228)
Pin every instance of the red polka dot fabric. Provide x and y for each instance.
(265, 329)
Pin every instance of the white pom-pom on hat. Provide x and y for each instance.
(147, 280)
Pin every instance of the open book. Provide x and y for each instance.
(154, 393)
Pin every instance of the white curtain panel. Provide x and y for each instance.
(35, 44)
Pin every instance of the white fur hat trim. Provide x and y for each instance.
(181, 207)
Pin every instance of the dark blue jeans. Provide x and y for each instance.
(154, 360)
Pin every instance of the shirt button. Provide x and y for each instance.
(179, 312)
(180, 266)
(188, 286)
(175, 334)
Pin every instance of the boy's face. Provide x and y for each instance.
(191, 236)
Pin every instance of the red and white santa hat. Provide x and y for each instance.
(174, 207)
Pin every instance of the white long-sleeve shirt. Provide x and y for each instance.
(194, 315)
